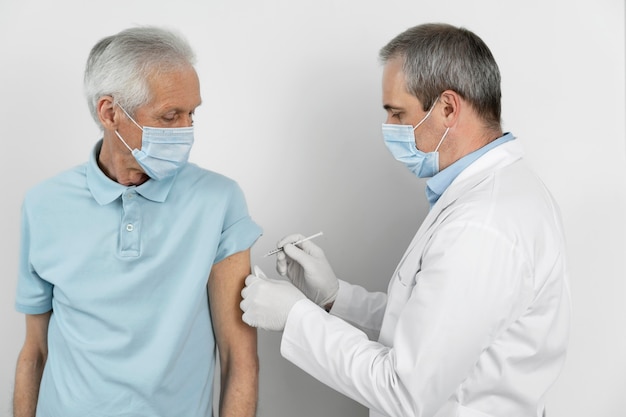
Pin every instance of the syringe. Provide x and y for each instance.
(275, 251)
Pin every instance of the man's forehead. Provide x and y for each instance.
(176, 89)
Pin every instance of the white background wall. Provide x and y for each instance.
(292, 112)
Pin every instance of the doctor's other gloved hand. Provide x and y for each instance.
(266, 302)
(307, 268)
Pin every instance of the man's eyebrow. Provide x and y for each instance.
(390, 107)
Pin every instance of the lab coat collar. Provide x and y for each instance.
(498, 157)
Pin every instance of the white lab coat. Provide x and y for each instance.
(476, 318)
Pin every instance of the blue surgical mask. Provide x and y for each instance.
(163, 150)
(400, 140)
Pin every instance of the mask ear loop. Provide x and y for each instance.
(425, 117)
(123, 141)
(442, 138)
(128, 115)
(132, 120)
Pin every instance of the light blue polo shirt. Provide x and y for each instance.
(125, 271)
(440, 182)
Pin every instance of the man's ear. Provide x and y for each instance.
(451, 107)
(107, 113)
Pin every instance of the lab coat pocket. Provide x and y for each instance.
(408, 270)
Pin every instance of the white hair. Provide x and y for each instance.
(120, 65)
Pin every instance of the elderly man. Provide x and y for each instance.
(132, 264)
(475, 321)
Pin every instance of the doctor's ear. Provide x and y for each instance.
(107, 113)
(451, 106)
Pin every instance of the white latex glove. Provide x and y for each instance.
(307, 268)
(267, 302)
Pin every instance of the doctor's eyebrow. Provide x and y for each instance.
(389, 107)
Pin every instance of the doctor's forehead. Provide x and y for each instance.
(393, 80)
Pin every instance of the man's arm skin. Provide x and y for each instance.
(236, 341)
(30, 364)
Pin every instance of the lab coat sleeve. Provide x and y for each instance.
(361, 308)
(471, 284)
(339, 355)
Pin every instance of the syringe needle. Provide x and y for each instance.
(274, 251)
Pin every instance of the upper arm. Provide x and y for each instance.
(233, 336)
(36, 341)
(30, 364)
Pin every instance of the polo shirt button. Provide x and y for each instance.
(130, 227)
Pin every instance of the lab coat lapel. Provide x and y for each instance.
(473, 175)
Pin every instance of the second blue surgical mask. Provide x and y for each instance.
(400, 140)
(163, 150)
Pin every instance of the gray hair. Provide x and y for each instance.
(438, 57)
(120, 65)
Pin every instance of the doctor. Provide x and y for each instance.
(476, 318)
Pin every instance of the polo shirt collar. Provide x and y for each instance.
(105, 190)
